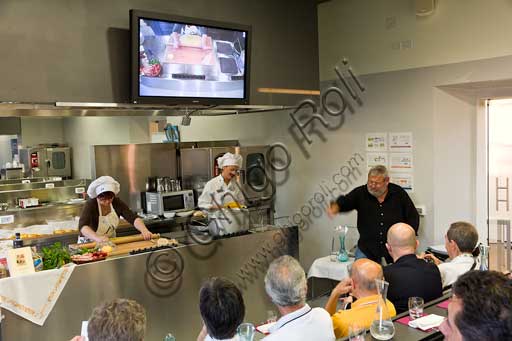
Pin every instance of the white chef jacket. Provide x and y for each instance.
(305, 324)
(451, 270)
(223, 193)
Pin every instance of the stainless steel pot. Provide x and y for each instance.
(227, 220)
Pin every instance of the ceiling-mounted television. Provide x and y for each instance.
(182, 60)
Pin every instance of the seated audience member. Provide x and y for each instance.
(285, 284)
(409, 276)
(460, 242)
(362, 286)
(222, 308)
(480, 308)
(117, 320)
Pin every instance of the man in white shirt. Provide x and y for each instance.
(223, 189)
(460, 241)
(285, 284)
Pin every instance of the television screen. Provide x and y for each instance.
(184, 60)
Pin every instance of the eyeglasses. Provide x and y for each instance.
(376, 183)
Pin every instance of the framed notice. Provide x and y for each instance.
(376, 159)
(403, 180)
(400, 162)
(20, 261)
(400, 142)
(376, 142)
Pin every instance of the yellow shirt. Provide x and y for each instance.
(362, 313)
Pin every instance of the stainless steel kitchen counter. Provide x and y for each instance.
(171, 300)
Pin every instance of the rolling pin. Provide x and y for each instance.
(116, 240)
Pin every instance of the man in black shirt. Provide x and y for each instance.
(379, 204)
(409, 276)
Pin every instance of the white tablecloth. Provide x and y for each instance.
(325, 268)
(33, 296)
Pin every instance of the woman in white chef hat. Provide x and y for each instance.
(222, 189)
(100, 216)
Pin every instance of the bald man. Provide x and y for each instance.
(409, 276)
(361, 285)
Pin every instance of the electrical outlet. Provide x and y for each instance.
(422, 210)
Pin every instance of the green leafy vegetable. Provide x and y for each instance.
(85, 250)
(55, 256)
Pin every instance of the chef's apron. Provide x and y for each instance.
(106, 224)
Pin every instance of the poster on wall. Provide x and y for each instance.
(375, 159)
(400, 162)
(376, 142)
(403, 180)
(400, 142)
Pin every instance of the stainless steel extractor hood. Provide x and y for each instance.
(79, 109)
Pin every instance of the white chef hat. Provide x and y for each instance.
(229, 159)
(103, 184)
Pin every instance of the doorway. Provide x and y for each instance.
(499, 183)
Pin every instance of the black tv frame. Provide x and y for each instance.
(135, 15)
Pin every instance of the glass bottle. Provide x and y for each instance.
(382, 327)
(341, 231)
(484, 254)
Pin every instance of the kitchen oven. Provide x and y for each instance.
(46, 161)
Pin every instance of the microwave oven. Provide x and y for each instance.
(164, 202)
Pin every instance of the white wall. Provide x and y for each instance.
(83, 132)
(459, 30)
(454, 158)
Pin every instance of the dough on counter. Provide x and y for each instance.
(166, 242)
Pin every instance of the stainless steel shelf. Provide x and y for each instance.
(84, 109)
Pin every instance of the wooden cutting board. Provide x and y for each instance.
(122, 249)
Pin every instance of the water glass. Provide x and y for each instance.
(334, 251)
(356, 332)
(416, 307)
(245, 332)
(334, 256)
(169, 337)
